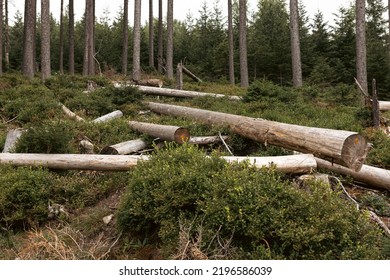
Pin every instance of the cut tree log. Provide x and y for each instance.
(372, 176)
(183, 93)
(344, 147)
(294, 164)
(86, 146)
(206, 140)
(111, 116)
(12, 138)
(125, 148)
(151, 82)
(70, 114)
(126, 162)
(384, 105)
(73, 161)
(179, 76)
(164, 132)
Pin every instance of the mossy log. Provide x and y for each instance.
(369, 175)
(344, 147)
(164, 132)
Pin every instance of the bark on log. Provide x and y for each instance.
(125, 148)
(191, 75)
(70, 114)
(206, 140)
(73, 161)
(113, 115)
(12, 138)
(179, 76)
(344, 147)
(183, 93)
(372, 176)
(384, 105)
(151, 82)
(164, 132)
(296, 164)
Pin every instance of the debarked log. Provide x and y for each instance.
(183, 93)
(125, 148)
(113, 115)
(206, 140)
(369, 175)
(294, 164)
(164, 132)
(70, 114)
(13, 136)
(73, 161)
(384, 105)
(286, 164)
(344, 147)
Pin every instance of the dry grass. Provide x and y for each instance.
(63, 243)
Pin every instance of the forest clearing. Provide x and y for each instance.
(260, 144)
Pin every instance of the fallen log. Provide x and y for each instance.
(183, 93)
(126, 162)
(12, 138)
(344, 147)
(72, 161)
(190, 74)
(70, 114)
(113, 115)
(86, 146)
(164, 132)
(151, 82)
(384, 105)
(372, 176)
(206, 140)
(295, 164)
(125, 148)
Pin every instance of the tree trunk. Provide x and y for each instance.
(231, 42)
(206, 140)
(191, 75)
(295, 164)
(295, 44)
(361, 51)
(160, 47)
(125, 148)
(243, 44)
(62, 37)
(29, 38)
(184, 93)
(137, 41)
(151, 35)
(343, 147)
(71, 37)
(89, 64)
(375, 106)
(1, 37)
(7, 41)
(372, 176)
(45, 40)
(72, 161)
(111, 116)
(170, 40)
(164, 132)
(125, 43)
(179, 76)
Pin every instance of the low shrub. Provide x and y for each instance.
(266, 90)
(182, 194)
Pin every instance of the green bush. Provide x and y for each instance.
(120, 96)
(48, 137)
(379, 154)
(24, 196)
(266, 90)
(265, 216)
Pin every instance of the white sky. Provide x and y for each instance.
(181, 7)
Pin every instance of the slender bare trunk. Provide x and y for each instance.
(243, 44)
(7, 42)
(295, 44)
(151, 35)
(170, 39)
(71, 37)
(29, 38)
(125, 43)
(62, 37)
(137, 41)
(1, 37)
(361, 51)
(45, 40)
(160, 47)
(231, 43)
(89, 63)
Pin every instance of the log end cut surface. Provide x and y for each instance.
(182, 135)
(354, 151)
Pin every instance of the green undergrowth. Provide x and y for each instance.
(235, 211)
